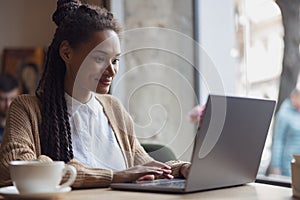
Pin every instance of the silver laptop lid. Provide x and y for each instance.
(230, 142)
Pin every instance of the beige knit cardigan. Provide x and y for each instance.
(21, 141)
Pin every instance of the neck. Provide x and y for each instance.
(80, 94)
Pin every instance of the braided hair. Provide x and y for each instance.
(75, 22)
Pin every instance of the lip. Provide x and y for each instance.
(105, 81)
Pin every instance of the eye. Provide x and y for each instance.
(115, 61)
(99, 59)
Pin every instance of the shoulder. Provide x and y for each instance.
(114, 109)
(109, 101)
(25, 101)
(286, 107)
(286, 103)
(24, 111)
(25, 98)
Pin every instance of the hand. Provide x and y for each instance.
(148, 171)
(276, 171)
(185, 169)
(196, 114)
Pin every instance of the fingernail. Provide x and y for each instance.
(170, 176)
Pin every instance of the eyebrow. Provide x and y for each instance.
(100, 51)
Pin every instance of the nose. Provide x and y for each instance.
(111, 69)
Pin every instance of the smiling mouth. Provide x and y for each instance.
(105, 82)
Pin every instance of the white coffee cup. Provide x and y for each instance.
(31, 177)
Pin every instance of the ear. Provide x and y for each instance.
(65, 51)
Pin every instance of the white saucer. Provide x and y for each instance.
(11, 192)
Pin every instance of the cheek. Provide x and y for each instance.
(90, 66)
(86, 68)
(89, 74)
(75, 64)
(296, 102)
(117, 68)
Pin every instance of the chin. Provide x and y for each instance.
(102, 90)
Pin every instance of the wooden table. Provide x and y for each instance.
(251, 191)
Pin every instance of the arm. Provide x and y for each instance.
(89, 177)
(280, 128)
(139, 163)
(19, 141)
(179, 168)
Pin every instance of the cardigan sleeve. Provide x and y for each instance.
(19, 142)
(140, 155)
(89, 177)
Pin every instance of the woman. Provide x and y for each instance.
(71, 118)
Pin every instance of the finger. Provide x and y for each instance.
(148, 177)
(159, 170)
(167, 171)
(151, 170)
(156, 171)
(158, 164)
(167, 176)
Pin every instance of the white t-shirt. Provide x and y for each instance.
(93, 140)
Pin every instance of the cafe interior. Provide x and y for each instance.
(174, 53)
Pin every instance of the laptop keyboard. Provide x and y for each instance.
(174, 183)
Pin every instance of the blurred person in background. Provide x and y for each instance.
(29, 76)
(286, 136)
(9, 90)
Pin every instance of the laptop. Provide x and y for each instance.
(227, 147)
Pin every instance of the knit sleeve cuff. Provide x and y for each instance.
(88, 177)
(176, 166)
(43, 158)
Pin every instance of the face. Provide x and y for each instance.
(296, 101)
(29, 77)
(93, 64)
(5, 100)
